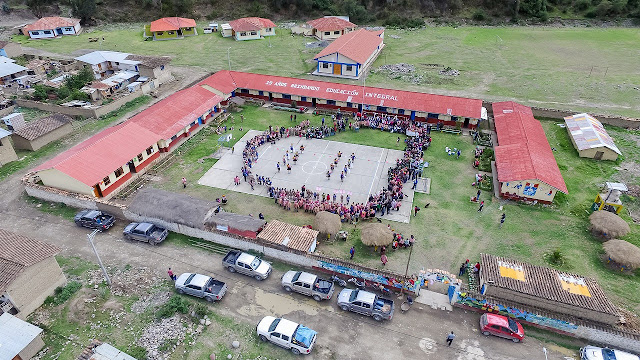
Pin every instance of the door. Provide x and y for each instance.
(313, 102)
(337, 69)
(132, 167)
(59, 31)
(466, 123)
(599, 155)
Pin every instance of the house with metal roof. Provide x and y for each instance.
(7, 153)
(19, 340)
(10, 72)
(330, 27)
(525, 165)
(251, 28)
(289, 236)
(51, 27)
(107, 63)
(545, 288)
(349, 55)
(38, 133)
(590, 138)
(29, 273)
(170, 28)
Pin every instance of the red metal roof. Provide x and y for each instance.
(251, 23)
(226, 81)
(95, 158)
(523, 152)
(331, 23)
(171, 23)
(167, 117)
(50, 23)
(357, 45)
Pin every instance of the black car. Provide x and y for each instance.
(145, 232)
(94, 219)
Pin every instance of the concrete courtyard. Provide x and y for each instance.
(368, 174)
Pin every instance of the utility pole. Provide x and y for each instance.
(229, 57)
(104, 271)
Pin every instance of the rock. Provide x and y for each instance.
(229, 356)
(202, 321)
(193, 313)
(235, 344)
(207, 322)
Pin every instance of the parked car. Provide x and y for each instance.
(246, 264)
(145, 232)
(502, 326)
(201, 286)
(287, 334)
(94, 219)
(307, 284)
(366, 303)
(598, 353)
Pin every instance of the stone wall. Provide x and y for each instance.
(56, 195)
(6, 111)
(78, 111)
(620, 121)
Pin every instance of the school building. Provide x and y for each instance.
(350, 55)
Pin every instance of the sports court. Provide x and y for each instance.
(368, 174)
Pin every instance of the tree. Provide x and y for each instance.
(37, 7)
(75, 82)
(83, 9)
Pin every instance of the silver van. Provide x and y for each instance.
(598, 353)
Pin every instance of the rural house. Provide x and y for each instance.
(252, 28)
(349, 55)
(41, 132)
(29, 273)
(7, 153)
(107, 63)
(171, 28)
(12, 73)
(330, 27)
(526, 167)
(590, 138)
(10, 49)
(19, 340)
(51, 27)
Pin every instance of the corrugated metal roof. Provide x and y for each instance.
(588, 133)
(9, 68)
(97, 57)
(15, 335)
(4, 133)
(330, 23)
(357, 45)
(227, 81)
(292, 236)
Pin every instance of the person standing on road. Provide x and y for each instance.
(184, 182)
(172, 276)
(450, 338)
(352, 252)
(277, 166)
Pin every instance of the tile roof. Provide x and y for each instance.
(50, 23)
(95, 158)
(588, 133)
(15, 335)
(546, 283)
(18, 252)
(227, 81)
(251, 23)
(171, 23)
(329, 23)
(523, 151)
(178, 110)
(357, 45)
(292, 236)
(42, 126)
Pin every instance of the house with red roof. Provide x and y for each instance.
(525, 165)
(51, 27)
(349, 55)
(171, 28)
(251, 28)
(330, 27)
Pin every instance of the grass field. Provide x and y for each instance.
(451, 229)
(582, 69)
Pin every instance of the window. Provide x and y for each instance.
(193, 123)
(140, 157)
(243, 34)
(286, 96)
(106, 181)
(35, 33)
(150, 150)
(349, 67)
(187, 29)
(254, 33)
(117, 63)
(193, 287)
(244, 91)
(303, 98)
(159, 32)
(366, 306)
(268, 29)
(306, 286)
(285, 338)
(119, 172)
(331, 102)
(68, 29)
(261, 93)
(275, 335)
(170, 32)
(47, 32)
(401, 111)
(327, 32)
(336, 33)
(382, 109)
(325, 65)
(174, 137)
(161, 67)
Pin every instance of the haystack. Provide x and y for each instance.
(623, 253)
(607, 225)
(328, 224)
(376, 234)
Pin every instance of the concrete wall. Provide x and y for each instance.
(34, 284)
(607, 154)
(246, 35)
(7, 153)
(42, 34)
(33, 348)
(604, 338)
(60, 196)
(12, 50)
(620, 121)
(6, 111)
(60, 180)
(76, 111)
(165, 35)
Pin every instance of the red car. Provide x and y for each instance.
(502, 326)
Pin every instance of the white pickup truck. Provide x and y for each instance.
(307, 284)
(287, 334)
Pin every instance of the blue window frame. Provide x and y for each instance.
(382, 108)
(401, 111)
(261, 93)
(244, 91)
(286, 96)
(331, 102)
(303, 98)
(432, 115)
(349, 104)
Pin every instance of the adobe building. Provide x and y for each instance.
(590, 138)
(36, 134)
(7, 153)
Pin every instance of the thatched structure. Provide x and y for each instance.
(327, 224)
(623, 253)
(171, 207)
(376, 234)
(607, 225)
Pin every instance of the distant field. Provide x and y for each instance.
(582, 69)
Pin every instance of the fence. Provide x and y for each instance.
(79, 111)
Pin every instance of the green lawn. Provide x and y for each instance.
(582, 69)
(451, 229)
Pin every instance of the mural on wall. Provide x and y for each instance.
(412, 284)
(530, 190)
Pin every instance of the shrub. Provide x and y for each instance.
(63, 92)
(479, 15)
(294, 104)
(582, 5)
(176, 304)
(555, 258)
(63, 293)
(137, 352)
(79, 95)
(404, 22)
(603, 8)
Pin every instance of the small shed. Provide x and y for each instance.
(14, 121)
(590, 138)
(290, 236)
(243, 225)
(227, 31)
(41, 132)
(19, 340)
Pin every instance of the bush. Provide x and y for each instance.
(582, 5)
(137, 352)
(63, 293)
(63, 92)
(404, 22)
(603, 8)
(79, 95)
(176, 304)
(479, 15)
(555, 258)
(40, 92)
